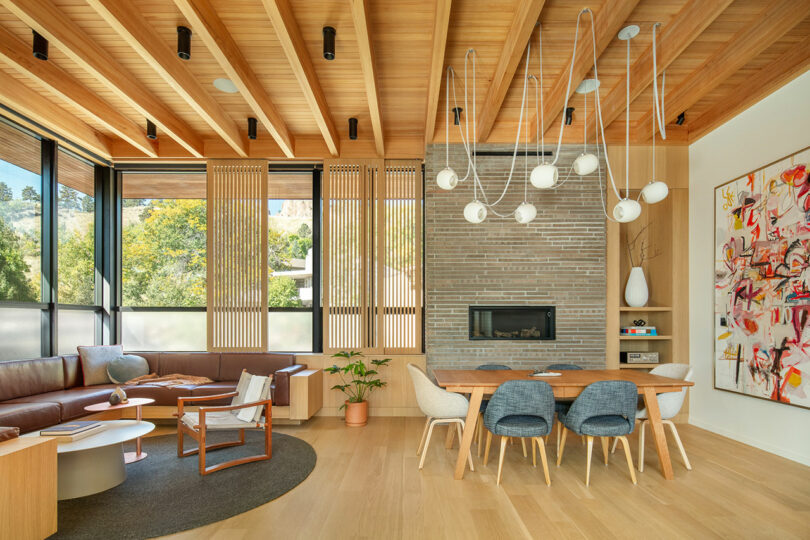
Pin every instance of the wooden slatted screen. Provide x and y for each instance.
(372, 256)
(237, 255)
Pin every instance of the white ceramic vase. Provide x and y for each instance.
(636, 293)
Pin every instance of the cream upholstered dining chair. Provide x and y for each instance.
(440, 407)
(251, 398)
(669, 403)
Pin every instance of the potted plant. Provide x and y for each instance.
(358, 381)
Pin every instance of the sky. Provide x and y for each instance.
(18, 178)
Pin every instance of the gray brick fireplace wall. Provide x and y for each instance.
(558, 259)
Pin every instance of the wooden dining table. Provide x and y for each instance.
(569, 384)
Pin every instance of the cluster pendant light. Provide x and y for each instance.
(546, 174)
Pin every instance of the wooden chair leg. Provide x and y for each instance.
(451, 434)
(626, 446)
(562, 445)
(201, 453)
(588, 461)
(671, 424)
(615, 443)
(641, 445)
(479, 432)
(427, 444)
(543, 458)
(179, 440)
(486, 451)
(534, 454)
(559, 433)
(605, 443)
(424, 435)
(460, 425)
(500, 459)
(523, 443)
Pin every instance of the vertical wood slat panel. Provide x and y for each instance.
(237, 255)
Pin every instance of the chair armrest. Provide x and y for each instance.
(281, 378)
(7, 433)
(219, 408)
(181, 401)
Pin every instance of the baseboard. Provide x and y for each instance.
(750, 441)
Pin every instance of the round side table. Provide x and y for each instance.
(137, 455)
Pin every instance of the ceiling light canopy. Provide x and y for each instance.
(225, 85)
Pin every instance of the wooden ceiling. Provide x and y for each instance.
(113, 64)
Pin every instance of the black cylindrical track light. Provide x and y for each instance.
(457, 115)
(329, 42)
(353, 128)
(681, 119)
(184, 42)
(40, 46)
(252, 125)
(151, 130)
(569, 116)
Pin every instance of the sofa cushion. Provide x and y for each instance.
(127, 367)
(28, 377)
(264, 364)
(95, 360)
(163, 395)
(29, 416)
(8, 433)
(205, 364)
(73, 400)
(72, 366)
(152, 359)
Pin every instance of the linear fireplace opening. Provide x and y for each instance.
(512, 322)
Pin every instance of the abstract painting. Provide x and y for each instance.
(762, 282)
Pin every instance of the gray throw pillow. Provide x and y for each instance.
(126, 367)
(94, 362)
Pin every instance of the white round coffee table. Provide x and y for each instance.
(95, 463)
(137, 455)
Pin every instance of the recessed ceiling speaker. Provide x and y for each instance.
(40, 46)
(151, 130)
(353, 128)
(252, 127)
(329, 42)
(569, 116)
(184, 42)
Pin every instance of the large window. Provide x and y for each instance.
(163, 260)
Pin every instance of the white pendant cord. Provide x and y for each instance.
(451, 73)
(541, 125)
(658, 110)
(447, 117)
(627, 128)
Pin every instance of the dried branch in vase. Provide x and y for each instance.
(641, 245)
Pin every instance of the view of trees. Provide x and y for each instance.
(19, 244)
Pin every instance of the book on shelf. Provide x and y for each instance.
(639, 331)
(69, 429)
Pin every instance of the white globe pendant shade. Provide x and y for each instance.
(475, 212)
(525, 213)
(626, 210)
(447, 178)
(544, 176)
(655, 191)
(585, 164)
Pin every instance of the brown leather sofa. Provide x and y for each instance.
(38, 393)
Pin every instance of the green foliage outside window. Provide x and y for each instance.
(14, 283)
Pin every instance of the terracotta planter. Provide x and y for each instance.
(356, 414)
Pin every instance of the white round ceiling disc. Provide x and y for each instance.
(628, 32)
(587, 86)
(225, 85)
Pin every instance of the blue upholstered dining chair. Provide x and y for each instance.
(604, 409)
(520, 409)
(479, 426)
(561, 405)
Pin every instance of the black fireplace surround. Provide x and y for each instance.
(519, 323)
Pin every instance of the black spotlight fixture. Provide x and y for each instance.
(252, 125)
(569, 116)
(353, 129)
(184, 42)
(329, 42)
(681, 119)
(151, 130)
(40, 47)
(457, 115)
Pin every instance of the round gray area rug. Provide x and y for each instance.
(164, 494)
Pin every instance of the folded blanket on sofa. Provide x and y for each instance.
(172, 379)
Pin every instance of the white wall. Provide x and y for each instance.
(773, 128)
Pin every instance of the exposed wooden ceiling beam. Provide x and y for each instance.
(673, 38)
(441, 23)
(361, 28)
(767, 80)
(295, 48)
(47, 19)
(607, 22)
(515, 41)
(769, 25)
(207, 25)
(28, 102)
(127, 21)
(17, 54)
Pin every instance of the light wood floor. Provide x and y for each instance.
(366, 485)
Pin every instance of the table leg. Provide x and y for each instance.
(657, 428)
(469, 428)
(137, 455)
(448, 440)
